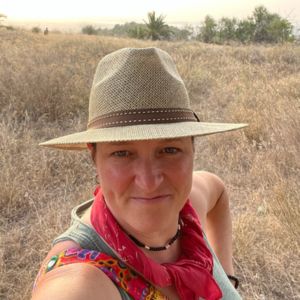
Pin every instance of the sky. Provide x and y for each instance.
(190, 11)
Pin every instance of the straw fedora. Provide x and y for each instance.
(137, 94)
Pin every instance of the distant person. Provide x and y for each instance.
(46, 31)
(143, 236)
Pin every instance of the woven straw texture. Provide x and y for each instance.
(136, 79)
(133, 80)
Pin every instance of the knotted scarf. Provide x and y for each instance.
(191, 274)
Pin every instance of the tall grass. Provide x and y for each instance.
(44, 90)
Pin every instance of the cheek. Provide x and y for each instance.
(184, 175)
(113, 180)
(185, 165)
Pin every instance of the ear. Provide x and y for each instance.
(92, 149)
(90, 146)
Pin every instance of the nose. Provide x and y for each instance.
(148, 175)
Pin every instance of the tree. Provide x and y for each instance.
(227, 29)
(36, 29)
(89, 29)
(208, 30)
(181, 34)
(245, 30)
(137, 31)
(269, 27)
(262, 19)
(131, 29)
(280, 30)
(156, 27)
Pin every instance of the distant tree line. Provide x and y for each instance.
(154, 28)
(261, 27)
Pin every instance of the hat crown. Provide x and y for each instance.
(137, 94)
(136, 79)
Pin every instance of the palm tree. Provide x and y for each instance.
(157, 28)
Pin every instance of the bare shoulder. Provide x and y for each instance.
(206, 182)
(74, 281)
(77, 281)
(206, 190)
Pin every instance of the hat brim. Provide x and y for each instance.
(79, 140)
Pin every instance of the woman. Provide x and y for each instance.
(140, 237)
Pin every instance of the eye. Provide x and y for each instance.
(121, 153)
(170, 150)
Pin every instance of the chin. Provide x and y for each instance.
(153, 220)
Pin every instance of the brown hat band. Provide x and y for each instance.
(143, 116)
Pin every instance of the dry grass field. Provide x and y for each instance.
(44, 90)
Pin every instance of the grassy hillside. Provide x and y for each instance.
(44, 90)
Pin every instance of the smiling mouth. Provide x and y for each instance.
(152, 199)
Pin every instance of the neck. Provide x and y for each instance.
(162, 246)
(158, 248)
(166, 256)
(155, 238)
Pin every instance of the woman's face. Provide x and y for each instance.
(145, 183)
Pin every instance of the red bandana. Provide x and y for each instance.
(191, 274)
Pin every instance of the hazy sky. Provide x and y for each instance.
(129, 10)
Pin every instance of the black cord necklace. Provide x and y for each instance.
(172, 240)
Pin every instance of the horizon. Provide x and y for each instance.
(39, 13)
(76, 25)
